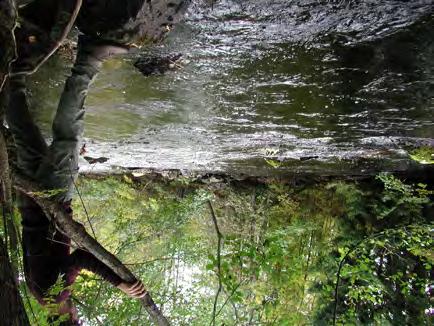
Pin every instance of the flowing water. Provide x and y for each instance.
(268, 87)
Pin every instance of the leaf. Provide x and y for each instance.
(94, 160)
(127, 179)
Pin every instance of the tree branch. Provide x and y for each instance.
(77, 233)
(219, 246)
(57, 41)
(8, 23)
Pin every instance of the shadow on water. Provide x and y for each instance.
(314, 85)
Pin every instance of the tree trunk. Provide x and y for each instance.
(12, 311)
(8, 17)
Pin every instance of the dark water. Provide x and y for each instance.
(269, 87)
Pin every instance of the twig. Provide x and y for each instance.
(338, 274)
(219, 245)
(21, 269)
(138, 239)
(66, 244)
(82, 204)
(149, 261)
(62, 37)
(14, 43)
(90, 309)
(96, 297)
(229, 297)
(91, 227)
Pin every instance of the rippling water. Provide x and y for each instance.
(269, 87)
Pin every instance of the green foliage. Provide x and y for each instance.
(385, 274)
(280, 252)
(423, 155)
(46, 315)
(48, 193)
(386, 277)
(269, 154)
(401, 202)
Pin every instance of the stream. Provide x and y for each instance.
(266, 87)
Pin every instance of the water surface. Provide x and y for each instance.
(342, 87)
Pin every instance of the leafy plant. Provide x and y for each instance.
(423, 155)
(281, 246)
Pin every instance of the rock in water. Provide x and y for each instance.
(156, 65)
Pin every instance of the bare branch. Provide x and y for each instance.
(8, 23)
(219, 246)
(58, 41)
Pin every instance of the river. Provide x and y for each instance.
(274, 87)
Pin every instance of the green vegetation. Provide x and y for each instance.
(423, 155)
(282, 246)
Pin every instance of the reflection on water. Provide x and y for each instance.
(108, 114)
(333, 83)
(280, 250)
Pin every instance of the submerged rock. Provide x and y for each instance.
(157, 65)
